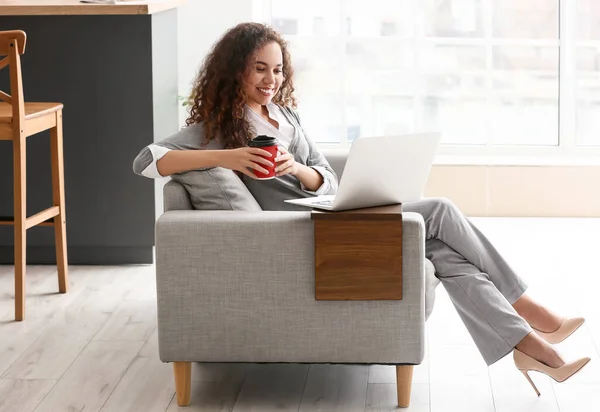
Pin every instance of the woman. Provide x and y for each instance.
(245, 89)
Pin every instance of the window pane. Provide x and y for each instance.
(461, 121)
(452, 81)
(321, 116)
(320, 59)
(526, 59)
(369, 115)
(525, 96)
(588, 19)
(380, 18)
(380, 83)
(531, 19)
(588, 122)
(375, 54)
(444, 18)
(524, 121)
(454, 58)
(306, 18)
(317, 80)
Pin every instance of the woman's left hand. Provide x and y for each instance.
(285, 163)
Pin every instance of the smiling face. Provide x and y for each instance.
(264, 76)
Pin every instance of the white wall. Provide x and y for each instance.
(201, 23)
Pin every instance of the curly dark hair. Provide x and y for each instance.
(217, 94)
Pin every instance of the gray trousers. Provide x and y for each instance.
(480, 283)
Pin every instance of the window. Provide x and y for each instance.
(491, 75)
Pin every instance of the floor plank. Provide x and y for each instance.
(213, 397)
(467, 393)
(147, 386)
(47, 358)
(335, 388)
(215, 387)
(220, 372)
(578, 397)
(133, 320)
(512, 392)
(74, 323)
(90, 380)
(272, 387)
(22, 395)
(44, 306)
(383, 397)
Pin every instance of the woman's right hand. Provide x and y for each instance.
(243, 158)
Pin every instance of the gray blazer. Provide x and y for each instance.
(270, 194)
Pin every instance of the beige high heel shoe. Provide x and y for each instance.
(566, 329)
(526, 364)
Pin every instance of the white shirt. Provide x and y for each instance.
(261, 126)
(284, 134)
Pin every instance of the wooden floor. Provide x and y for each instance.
(95, 349)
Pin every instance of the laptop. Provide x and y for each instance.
(381, 171)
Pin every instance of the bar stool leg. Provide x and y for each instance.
(58, 196)
(20, 216)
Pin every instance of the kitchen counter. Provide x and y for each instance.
(75, 7)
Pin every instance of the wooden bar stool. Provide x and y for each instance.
(19, 120)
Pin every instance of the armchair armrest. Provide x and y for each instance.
(239, 287)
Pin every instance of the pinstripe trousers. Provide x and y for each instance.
(480, 283)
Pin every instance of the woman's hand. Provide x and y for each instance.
(285, 163)
(244, 158)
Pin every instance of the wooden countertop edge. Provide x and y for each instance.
(89, 9)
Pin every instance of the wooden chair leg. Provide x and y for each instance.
(404, 374)
(58, 197)
(20, 216)
(183, 382)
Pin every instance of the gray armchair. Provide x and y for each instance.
(238, 286)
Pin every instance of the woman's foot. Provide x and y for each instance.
(549, 326)
(566, 329)
(538, 349)
(539, 317)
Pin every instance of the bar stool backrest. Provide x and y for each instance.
(12, 45)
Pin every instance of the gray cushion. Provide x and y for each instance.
(176, 197)
(217, 189)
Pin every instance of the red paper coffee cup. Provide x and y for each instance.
(269, 144)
